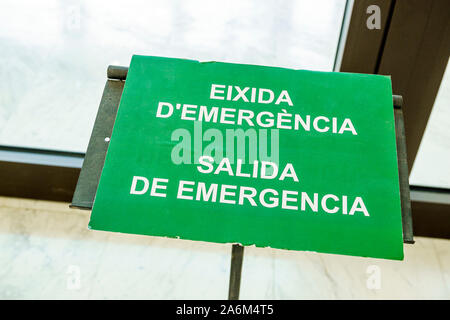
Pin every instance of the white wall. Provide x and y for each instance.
(47, 252)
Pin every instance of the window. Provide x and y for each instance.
(55, 54)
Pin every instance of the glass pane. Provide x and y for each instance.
(432, 165)
(54, 54)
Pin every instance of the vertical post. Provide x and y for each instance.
(237, 255)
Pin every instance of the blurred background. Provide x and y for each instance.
(54, 56)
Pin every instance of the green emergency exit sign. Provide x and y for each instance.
(234, 153)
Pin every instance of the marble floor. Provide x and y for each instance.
(47, 252)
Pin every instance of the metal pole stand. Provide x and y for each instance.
(237, 256)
